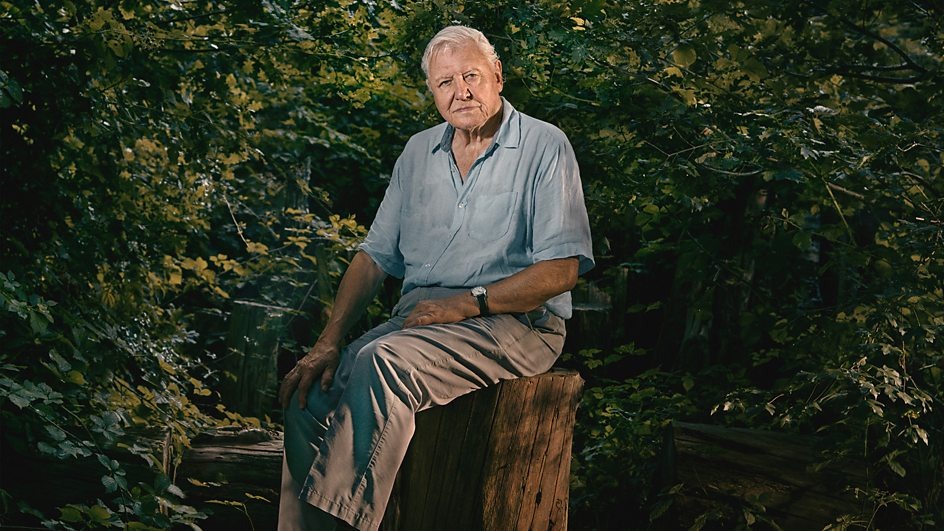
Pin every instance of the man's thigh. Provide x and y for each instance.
(431, 365)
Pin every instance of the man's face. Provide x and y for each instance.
(465, 85)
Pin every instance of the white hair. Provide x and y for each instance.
(454, 37)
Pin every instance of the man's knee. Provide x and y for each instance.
(395, 351)
(395, 363)
(303, 425)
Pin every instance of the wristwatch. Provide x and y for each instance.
(481, 295)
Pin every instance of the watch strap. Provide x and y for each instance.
(482, 297)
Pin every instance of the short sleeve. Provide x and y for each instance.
(561, 228)
(383, 239)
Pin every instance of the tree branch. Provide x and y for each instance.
(877, 78)
(894, 47)
(859, 71)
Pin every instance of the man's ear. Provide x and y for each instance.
(500, 77)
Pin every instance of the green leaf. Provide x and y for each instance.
(684, 56)
(20, 400)
(38, 322)
(897, 468)
(110, 483)
(755, 69)
(70, 514)
(99, 514)
(175, 490)
(57, 434)
(76, 377)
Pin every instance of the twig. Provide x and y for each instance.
(732, 173)
(839, 211)
(846, 191)
(232, 214)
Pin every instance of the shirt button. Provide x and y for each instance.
(461, 205)
(427, 265)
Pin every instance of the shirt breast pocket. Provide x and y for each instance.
(490, 216)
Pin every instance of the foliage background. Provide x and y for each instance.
(763, 180)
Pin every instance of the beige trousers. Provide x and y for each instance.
(342, 451)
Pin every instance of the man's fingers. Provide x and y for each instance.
(326, 378)
(303, 386)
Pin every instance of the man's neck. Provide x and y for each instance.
(479, 138)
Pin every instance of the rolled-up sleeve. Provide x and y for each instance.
(560, 227)
(383, 239)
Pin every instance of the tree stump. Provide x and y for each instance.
(496, 459)
(250, 365)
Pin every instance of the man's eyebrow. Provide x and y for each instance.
(444, 77)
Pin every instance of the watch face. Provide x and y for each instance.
(478, 290)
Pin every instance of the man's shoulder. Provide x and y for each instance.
(542, 132)
(426, 140)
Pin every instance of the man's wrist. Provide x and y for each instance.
(480, 294)
(329, 337)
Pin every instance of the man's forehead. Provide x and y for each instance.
(466, 56)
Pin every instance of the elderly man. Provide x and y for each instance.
(485, 222)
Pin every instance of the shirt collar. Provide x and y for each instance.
(508, 135)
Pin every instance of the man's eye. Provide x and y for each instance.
(445, 83)
(469, 77)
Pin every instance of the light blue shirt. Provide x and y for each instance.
(521, 203)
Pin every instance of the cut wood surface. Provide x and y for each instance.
(736, 466)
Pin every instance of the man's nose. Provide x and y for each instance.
(463, 91)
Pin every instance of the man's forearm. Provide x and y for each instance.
(521, 292)
(358, 286)
(532, 286)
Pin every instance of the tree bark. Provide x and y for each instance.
(496, 459)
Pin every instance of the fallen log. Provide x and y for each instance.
(756, 474)
(235, 476)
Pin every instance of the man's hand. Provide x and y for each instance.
(319, 364)
(442, 311)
